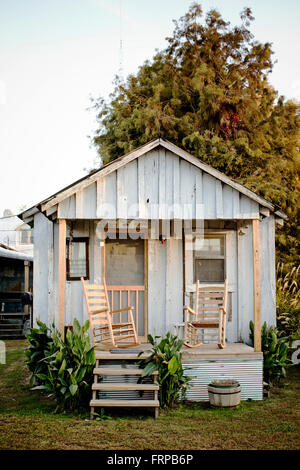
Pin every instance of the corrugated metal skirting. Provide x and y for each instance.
(126, 379)
(247, 371)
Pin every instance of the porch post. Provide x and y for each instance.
(61, 274)
(256, 284)
(26, 282)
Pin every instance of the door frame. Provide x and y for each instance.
(142, 339)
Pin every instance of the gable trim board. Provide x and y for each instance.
(50, 206)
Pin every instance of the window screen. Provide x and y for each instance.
(25, 236)
(209, 258)
(77, 259)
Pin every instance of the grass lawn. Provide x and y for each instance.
(27, 420)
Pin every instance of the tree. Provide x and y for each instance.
(208, 92)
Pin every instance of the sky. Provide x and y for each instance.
(57, 54)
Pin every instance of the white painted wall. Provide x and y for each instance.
(245, 282)
(165, 285)
(268, 270)
(165, 277)
(42, 269)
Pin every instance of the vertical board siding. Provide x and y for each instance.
(157, 181)
(236, 204)
(131, 185)
(209, 196)
(156, 287)
(162, 213)
(245, 282)
(42, 268)
(121, 192)
(267, 270)
(176, 189)
(231, 274)
(89, 202)
(164, 288)
(169, 181)
(199, 210)
(187, 190)
(219, 200)
(67, 208)
(249, 208)
(141, 188)
(173, 307)
(227, 202)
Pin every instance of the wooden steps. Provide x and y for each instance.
(122, 386)
(126, 403)
(12, 324)
(107, 355)
(107, 371)
(115, 381)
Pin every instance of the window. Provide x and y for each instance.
(77, 259)
(25, 236)
(209, 258)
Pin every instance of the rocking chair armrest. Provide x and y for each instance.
(101, 310)
(122, 310)
(190, 310)
(223, 309)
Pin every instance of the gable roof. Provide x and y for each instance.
(50, 203)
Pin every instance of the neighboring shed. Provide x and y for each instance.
(177, 219)
(15, 234)
(16, 270)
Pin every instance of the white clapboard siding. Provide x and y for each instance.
(158, 185)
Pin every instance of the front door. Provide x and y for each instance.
(125, 278)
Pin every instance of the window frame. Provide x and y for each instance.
(216, 257)
(29, 235)
(85, 240)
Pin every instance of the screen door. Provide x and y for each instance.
(125, 278)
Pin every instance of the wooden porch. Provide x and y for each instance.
(117, 374)
(206, 350)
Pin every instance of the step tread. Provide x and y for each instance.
(104, 355)
(120, 371)
(123, 386)
(2, 330)
(127, 403)
(14, 314)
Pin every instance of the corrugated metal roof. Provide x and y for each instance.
(12, 254)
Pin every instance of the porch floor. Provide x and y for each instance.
(206, 350)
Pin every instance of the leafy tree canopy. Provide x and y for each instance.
(208, 92)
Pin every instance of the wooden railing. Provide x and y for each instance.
(124, 296)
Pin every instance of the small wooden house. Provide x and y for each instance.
(153, 221)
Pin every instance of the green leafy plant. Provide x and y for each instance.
(209, 92)
(41, 346)
(275, 351)
(165, 357)
(69, 373)
(101, 416)
(288, 301)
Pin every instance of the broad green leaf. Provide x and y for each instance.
(149, 369)
(73, 389)
(173, 365)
